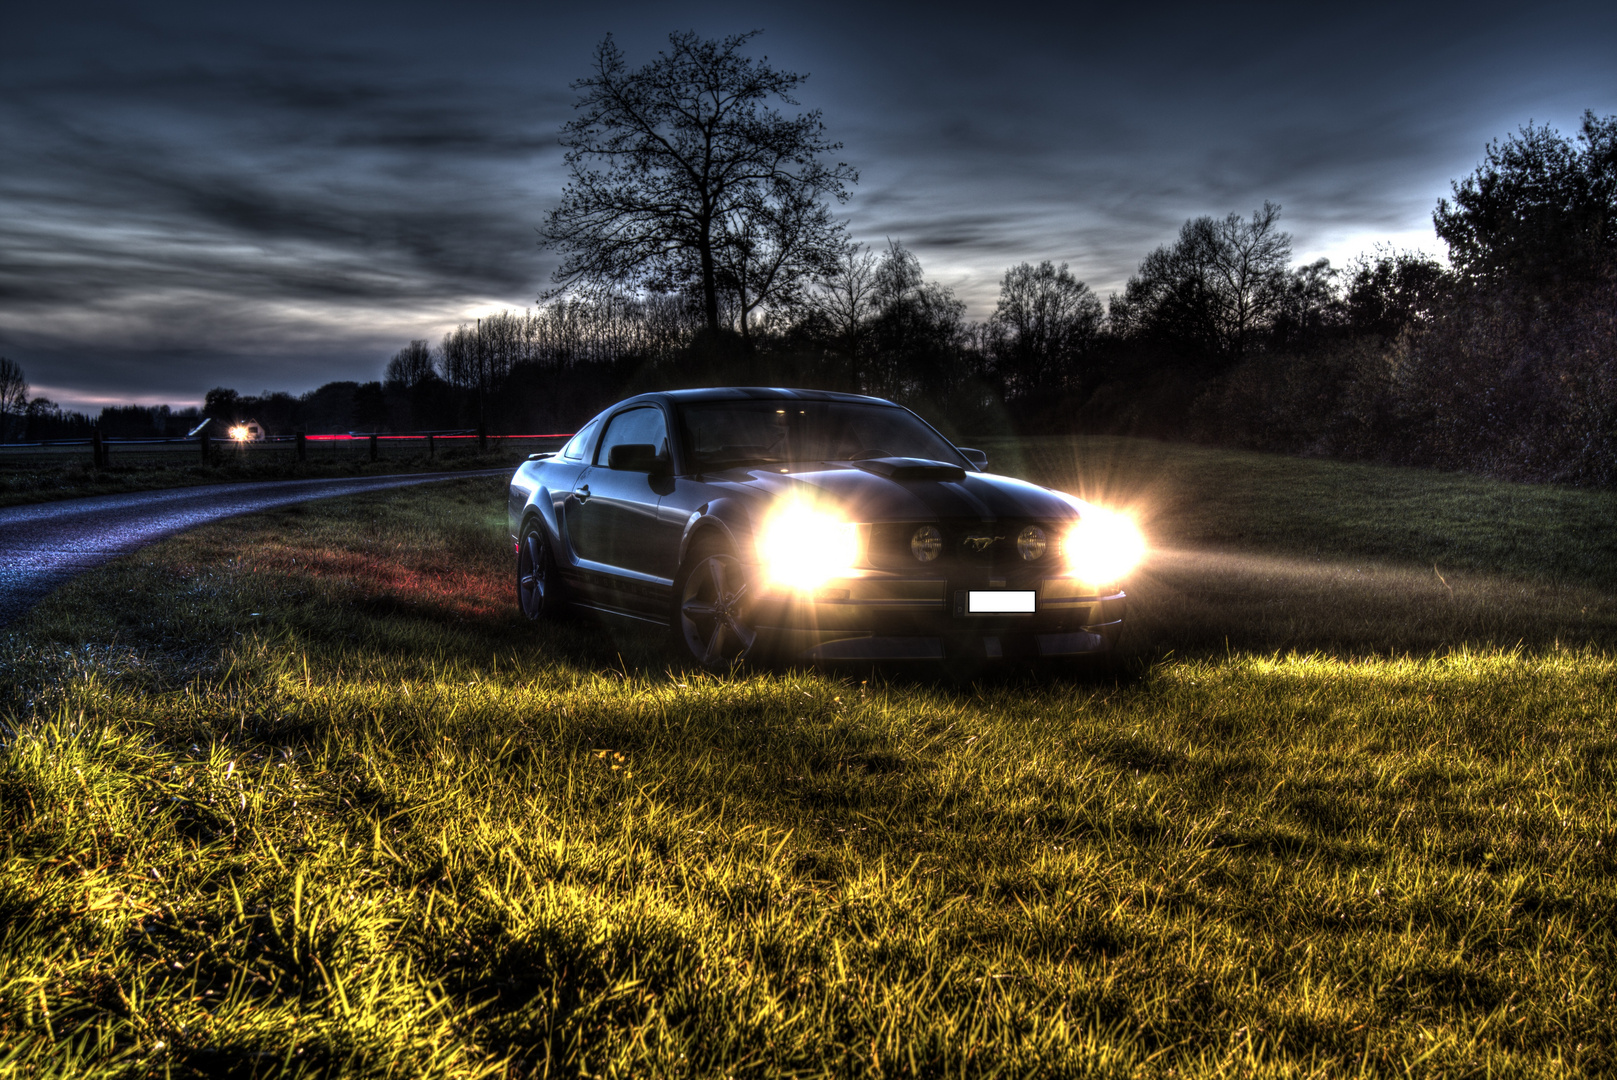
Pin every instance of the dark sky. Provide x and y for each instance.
(273, 196)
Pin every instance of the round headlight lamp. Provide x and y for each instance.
(927, 543)
(1031, 544)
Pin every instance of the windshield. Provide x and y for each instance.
(721, 434)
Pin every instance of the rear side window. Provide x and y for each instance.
(644, 425)
(578, 448)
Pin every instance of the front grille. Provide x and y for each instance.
(972, 549)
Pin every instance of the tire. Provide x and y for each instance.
(539, 588)
(712, 623)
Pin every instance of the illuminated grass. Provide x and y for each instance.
(300, 794)
(1263, 552)
(1211, 499)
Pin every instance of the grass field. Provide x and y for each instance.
(298, 794)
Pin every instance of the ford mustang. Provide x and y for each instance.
(806, 526)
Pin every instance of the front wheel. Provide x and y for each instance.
(713, 620)
(538, 582)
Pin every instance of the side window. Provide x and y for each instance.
(578, 447)
(643, 425)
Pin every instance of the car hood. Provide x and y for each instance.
(905, 489)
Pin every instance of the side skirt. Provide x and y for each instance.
(646, 620)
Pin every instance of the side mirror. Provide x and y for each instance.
(636, 457)
(976, 457)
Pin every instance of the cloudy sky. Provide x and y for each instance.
(273, 196)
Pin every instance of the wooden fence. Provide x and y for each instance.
(104, 453)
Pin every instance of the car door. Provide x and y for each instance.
(612, 519)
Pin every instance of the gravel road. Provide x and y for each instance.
(42, 545)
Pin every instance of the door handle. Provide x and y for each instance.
(582, 494)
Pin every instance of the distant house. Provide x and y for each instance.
(246, 431)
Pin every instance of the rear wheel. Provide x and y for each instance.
(713, 616)
(538, 583)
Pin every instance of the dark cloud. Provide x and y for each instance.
(198, 194)
(211, 213)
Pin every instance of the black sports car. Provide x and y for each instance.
(804, 525)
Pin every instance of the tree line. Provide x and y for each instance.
(698, 247)
(1502, 360)
(690, 181)
(25, 418)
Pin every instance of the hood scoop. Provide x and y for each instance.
(909, 468)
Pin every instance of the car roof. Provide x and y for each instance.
(754, 393)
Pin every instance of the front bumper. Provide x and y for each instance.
(871, 615)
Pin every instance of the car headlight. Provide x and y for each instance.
(1031, 543)
(801, 547)
(1103, 547)
(927, 543)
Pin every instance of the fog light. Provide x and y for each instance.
(927, 543)
(1031, 543)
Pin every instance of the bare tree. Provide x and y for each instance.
(845, 299)
(664, 159)
(916, 331)
(13, 398)
(1169, 300)
(1213, 289)
(1307, 303)
(1248, 270)
(774, 244)
(411, 365)
(1045, 320)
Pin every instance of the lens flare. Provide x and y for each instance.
(801, 547)
(241, 433)
(1103, 547)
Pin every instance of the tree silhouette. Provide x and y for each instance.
(683, 176)
(772, 247)
(916, 330)
(842, 303)
(1209, 293)
(1394, 290)
(1307, 304)
(1045, 320)
(1541, 209)
(411, 365)
(1249, 264)
(13, 397)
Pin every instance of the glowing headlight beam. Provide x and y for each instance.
(1103, 547)
(801, 547)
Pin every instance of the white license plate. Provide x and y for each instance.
(1000, 602)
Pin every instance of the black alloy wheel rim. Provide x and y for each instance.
(715, 610)
(531, 574)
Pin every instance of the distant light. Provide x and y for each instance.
(240, 433)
